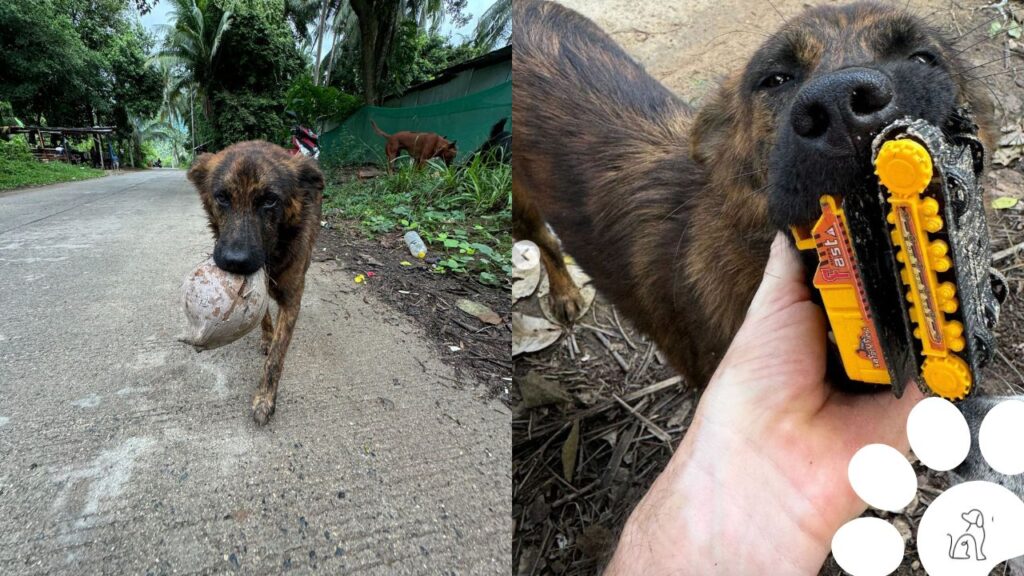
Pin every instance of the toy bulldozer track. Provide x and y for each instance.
(903, 268)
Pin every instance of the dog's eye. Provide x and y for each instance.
(222, 199)
(923, 57)
(270, 201)
(775, 80)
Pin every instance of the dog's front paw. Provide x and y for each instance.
(262, 408)
(566, 305)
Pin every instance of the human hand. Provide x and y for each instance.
(759, 483)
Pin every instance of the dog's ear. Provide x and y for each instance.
(452, 144)
(975, 517)
(308, 175)
(711, 127)
(200, 169)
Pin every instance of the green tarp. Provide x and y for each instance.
(466, 120)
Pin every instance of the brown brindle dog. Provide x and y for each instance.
(672, 211)
(421, 146)
(263, 205)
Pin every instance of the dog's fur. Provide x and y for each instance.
(421, 146)
(671, 211)
(263, 206)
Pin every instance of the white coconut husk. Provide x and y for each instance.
(221, 307)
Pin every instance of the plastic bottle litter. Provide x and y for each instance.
(222, 307)
(525, 255)
(416, 246)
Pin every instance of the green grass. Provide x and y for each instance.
(463, 213)
(15, 173)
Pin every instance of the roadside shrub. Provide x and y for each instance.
(15, 149)
(314, 104)
(462, 212)
(245, 116)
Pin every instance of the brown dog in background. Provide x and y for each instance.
(263, 205)
(421, 146)
(672, 211)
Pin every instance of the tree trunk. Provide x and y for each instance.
(192, 116)
(378, 22)
(334, 55)
(320, 42)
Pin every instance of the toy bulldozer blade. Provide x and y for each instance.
(903, 269)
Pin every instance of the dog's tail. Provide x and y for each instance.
(498, 128)
(378, 130)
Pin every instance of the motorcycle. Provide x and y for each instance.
(304, 140)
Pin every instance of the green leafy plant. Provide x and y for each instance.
(313, 104)
(19, 168)
(462, 212)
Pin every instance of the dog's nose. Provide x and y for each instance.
(843, 109)
(237, 260)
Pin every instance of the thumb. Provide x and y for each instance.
(779, 351)
(782, 284)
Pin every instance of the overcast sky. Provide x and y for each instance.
(159, 15)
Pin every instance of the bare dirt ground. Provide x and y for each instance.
(478, 351)
(582, 458)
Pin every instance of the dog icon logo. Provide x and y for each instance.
(970, 544)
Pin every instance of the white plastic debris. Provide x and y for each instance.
(222, 307)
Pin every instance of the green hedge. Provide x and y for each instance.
(19, 168)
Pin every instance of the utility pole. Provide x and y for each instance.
(99, 138)
(192, 115)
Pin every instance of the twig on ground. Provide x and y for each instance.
(654, 428)
(657, 386)
(615, 316)
(608, 346)
(1010, 364)
(1007, 252)
(599, 330)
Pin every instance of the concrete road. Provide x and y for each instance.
(123, 451)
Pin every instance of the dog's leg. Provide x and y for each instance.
(391, 154)
(528, 224)
(266, 395)
(267, 336)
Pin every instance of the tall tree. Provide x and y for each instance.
(258, 62)
(193, 42)
(494, 26)
(301, 14)
(320, 29)
(46, 70)
(378, 23)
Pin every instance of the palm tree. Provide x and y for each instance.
(345, 31)
(145, 131)
(192, 43)
(495, 25)
(428, 14)
(301, 14)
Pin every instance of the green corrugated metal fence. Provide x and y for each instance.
(466, 120)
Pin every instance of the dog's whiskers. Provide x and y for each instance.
(972, 30)
(984, 39)
(676, 262)
(735, 176)
(777, 11)
(1000, 73)
(964, 72)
